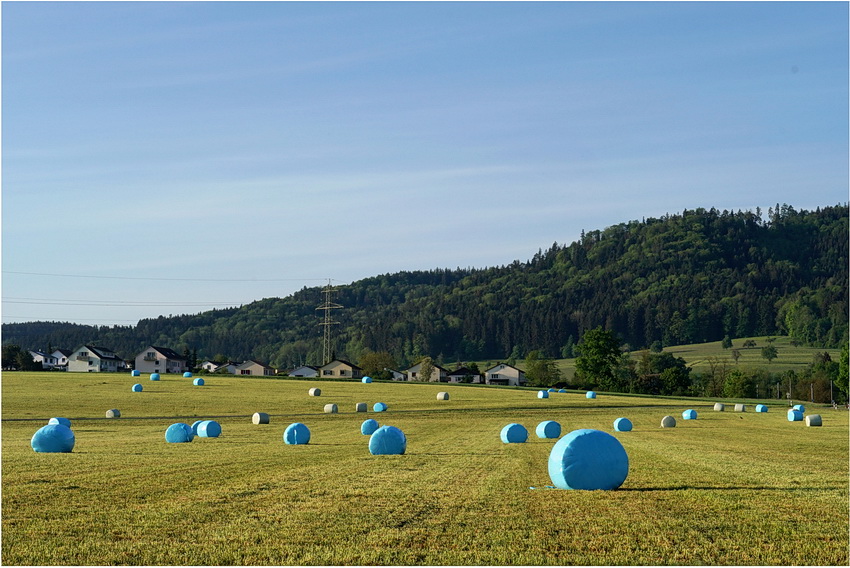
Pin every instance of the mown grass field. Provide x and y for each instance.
(728, 488)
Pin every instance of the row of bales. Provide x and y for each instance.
(583, 459)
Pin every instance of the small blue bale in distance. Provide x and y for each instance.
(154, 376)
(552, 390)
(195, 426)
(761, 408)
(588, 459)
(135, 373)
(199, 382)
(590, 394)
(296, 434)
(623, 425)
(799, 407)
(62, 421)
(369, 426)
(387, 440)
(187, 375)
(542, 394)
(514, 434)
(53, 439)
(562, 390)
(689, 414)
(366, 380)
(548, 429)
(207, 429)
(137, 387)
(179, 433)
(379, 407)
(795, 415)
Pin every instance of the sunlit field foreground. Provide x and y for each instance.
(728, 488)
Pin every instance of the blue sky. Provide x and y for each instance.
(166, 157)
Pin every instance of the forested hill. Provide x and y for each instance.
(684, 278)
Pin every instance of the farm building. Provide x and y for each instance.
(161, 360)
(304, 371)
(341, 369)
(504, 374)
(93, 359)
(47, 360)
(464, 375)
(439, 374)
(252, 367)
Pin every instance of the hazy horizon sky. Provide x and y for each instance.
(171, 157)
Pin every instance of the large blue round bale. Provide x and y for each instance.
(179, 433)
(58, 420)
(366, 380)
(623, 425)
(296, 434)
(542, 394)
(135, 373)
(379, 407)
(387, 440)
(137, 387)
(53, 439)
(548, 429)
(514, 434)
(761, 408)
(795, 415)
(187, 375)
(799, 407)
(154, 376)
(207, 429)
(590, 394)
(369, 426)
(199, 382)
(689, 414)
(588, 459)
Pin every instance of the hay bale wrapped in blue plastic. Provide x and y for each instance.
(552, 390)
(814, 420)
(542, 394)
(137, 387)
(514, 434)
(366, 380)
(199, 382)
(187, 375)
(668, 422)
(761, 408)
(207, 429)
(369, 426)
(59, 420)
(387, 440)
(548, 429)
(113, 413)
(135, 373)
(623, 425)
(799, 407)
(154, 376)
(296, 434)
(562, 390)
(689, 414)
(379, 407)
(53, 439)
(590, 394)
(794, 415)
(195, 426)
(588, 459)
(179, 433)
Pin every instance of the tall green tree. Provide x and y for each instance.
(597, 365)
(375, 363)
(540, 370)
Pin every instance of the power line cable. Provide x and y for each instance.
(169, 279)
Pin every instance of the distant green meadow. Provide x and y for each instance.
(726, 489)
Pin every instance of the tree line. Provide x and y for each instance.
(697, 276)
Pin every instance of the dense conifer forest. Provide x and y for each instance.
(691, 277)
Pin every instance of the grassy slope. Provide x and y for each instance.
(742, 489)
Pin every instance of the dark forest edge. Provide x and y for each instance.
(693, 277)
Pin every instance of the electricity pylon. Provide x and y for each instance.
(327, 322)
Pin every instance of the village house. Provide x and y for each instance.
(304, 371)
(396, 375)
(504, 374)
(439, 374)
(464, 375)
(340, 369)
(48, 361)
(161, 360)
(93, 359)
(252, 367)
(62, 356)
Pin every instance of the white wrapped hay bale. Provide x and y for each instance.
(442, 396)
(668, 422)
(814, 420)
(315, 392)
(331, 409)
(740, 408)
(113, 413)
(260, 418)
(360, 407)
(719, 407)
